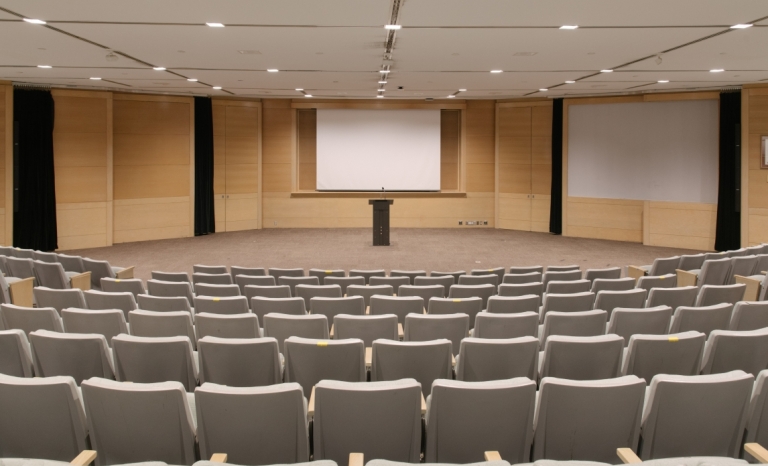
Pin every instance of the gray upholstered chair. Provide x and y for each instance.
(400, 306)
(162, 324)
(308, 361)
(702, 319)
(612, 284)
(626, 322)
(218, 290)
(227, 325)
(411, 274)
(322, 274)
(168, 289)
(221, 305)
(482, 360)
(279, 272)
(262, 306)
(582, 358)
(235, 270)
(730, 350)
(239, 362)
(331, 307)
(469, 306)
(521, 278)
(344, 282)
(367, 274)
(292, 282)
(574, 302)
(107, 322)
(307, 292)
(102, 269)
(282, 327)
(59, 299)
(366, 328)
(573, 324)
(610, 300)
(749, 315)
(469, 291)
(677, 353)
(367, 291)
(425, 292)
(259, 280)
(606, 273)
(568, 286)
(672, 297)
(213, 269)
(717, 294)
(77, 355)
(118, 285)
(424, 361)
(99, 300)
(15, 354)
(30, 319)
(662, 281)
(154, 360)
(516, 325)
(454, 327)
(395, 282)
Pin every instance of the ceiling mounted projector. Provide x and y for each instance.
(112, 56)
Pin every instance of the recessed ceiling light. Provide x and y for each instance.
(735, 26)
(462, 90)
(381, 90)
(606, 71)
(216, 88)
(392, 27)
(569, 26)
(497, 71)
(543, 90)
(44, 66)
(40, 21)
(307, 95)
(299, 89)
(159, 68)
(663, 81)
(570, 82)
(384, 71)
(272, 70)
(95, 79)
(379, 96)
(214, 25)
(192, 80)
(382, 82)
(716, 70)
(451, 96)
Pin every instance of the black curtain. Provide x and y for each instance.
(204, 216)
(556, 203)
(34, 215)
(728, 232)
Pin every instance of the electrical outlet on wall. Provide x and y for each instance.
(461, 223)
(485, 222)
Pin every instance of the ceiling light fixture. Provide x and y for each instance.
(716, 70)
(606, 71)
(272, 70)
(569, 26)
(299, 89)
(570, 82)
(159, 68)
(735, 26)
(379, 96)
(497, 71)
(216, 88)
(214, 25)
(543, 90)
(381, 90)
(40, 21)
(192, 80)
(95, 79)
(392, 27)
(44, 66)
(382, 82)
(451, 96)
(384, 71)
(462, 90)
(307, 95)
(663, 81)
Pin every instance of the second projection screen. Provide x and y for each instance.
(367, 150)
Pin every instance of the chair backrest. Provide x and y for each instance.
(331, 307)
(226, 325)
(292, 306)
(612, 284)
(717, 294)
(278, 272)
(582, 358)
(691, 262)
(162, 324)
(522, 289)
(677, 353)
(661, 281)
(171, 276)
(749, 316)
(107, 322)
(426, 292)
(221, 304)
(587, 420)
(30, 319)
(468, 291)
(714, 272)
(482, 360)
(99, 270)
(744, 266)
(498, 271)
(77, 355)
(524, 324)
(164, 304)
(469, 306)
(395, 282)
(51, 275)
(293, 281)
(59, 299)
(574, 324)
(20, 267)
(214, 269)
(367, 274)
(558, 275)
(709, 256)
(455, 274)
(757, 428)
(323, 273)
(366, 328)
(367, 291)
(489, 278)
(71, 263)
(167, 289)
(154, 359)
(513, 304)
(389, 427)
(239, 362)
(308, 361)
(307, 292)
(762, 263)
(235, 270)
(125, 301)
(610, 300)
(573, 302)
(276, 416)
(730, 350)
(626, 322)
(411, 274)
(672, 297)
(468, 418)
(400, 306)
(521, 278)
(665, 266)
(520, 270)
(699, 415)
(344, 282)
(562, 268)
(445, 280)
(252, 291)
(281, 327)
(130, 423)
(259, 280)
(702, 319)
(118, 285)
(15, 354)
(568, 286)
(220, 290)
(606, 273)
(24, 253)
(453, 327)
(423, 361)
(41, 418)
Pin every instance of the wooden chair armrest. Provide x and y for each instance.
(125, 273)
(356, 459)
(311, 406)
(752, 291)
(85, 458)
(331, 333)
(492, 456)
(368, 357)
(763, 272)
(757, 451)
(423, 405)
(453, 361)
(685, 278)
(21, 292)
(400, 332)
(219, 458)
(628, 456)
(81, 281)
(635, 272)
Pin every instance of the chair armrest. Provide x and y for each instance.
(219, 458)
(85, 458)
(635, 272)
(757, 451)
(453, 361)
(400, 332)
(21, 292)
(311, 406)
(492, 456)
(368, 357)
(125, 273)
(331, 333)
(82, 281)
(423, 405)
(356, 459)
(753, 287)
(628, 456)
(685, 278)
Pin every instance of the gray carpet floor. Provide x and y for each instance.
(411, 249)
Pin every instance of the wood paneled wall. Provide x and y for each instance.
(153, 167)
(754, 125)
(6, 163)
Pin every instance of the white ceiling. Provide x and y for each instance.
(334, 48)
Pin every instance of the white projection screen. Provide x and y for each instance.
(654, 151)
(366, 150)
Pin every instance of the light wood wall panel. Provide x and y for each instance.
(480, 146)
(6, 163)
(153, 167)
(613, 219)
(82, 152)
(755, 204)
(450, 149)
(681, 225)
(306, 129)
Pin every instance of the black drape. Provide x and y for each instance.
(556, 203)
(204, 216)
(728, 232)
(34, 217)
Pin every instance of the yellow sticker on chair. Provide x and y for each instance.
(490, 270)
(456, 300)
(117, 281)
(328, 272)
(322, 344)
(673, 339)
(216, 300)
(662, 277)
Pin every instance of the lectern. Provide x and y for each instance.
(381, 221)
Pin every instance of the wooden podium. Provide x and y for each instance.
(380, 221)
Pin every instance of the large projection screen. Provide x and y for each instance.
(655, 151)
(367, 150)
